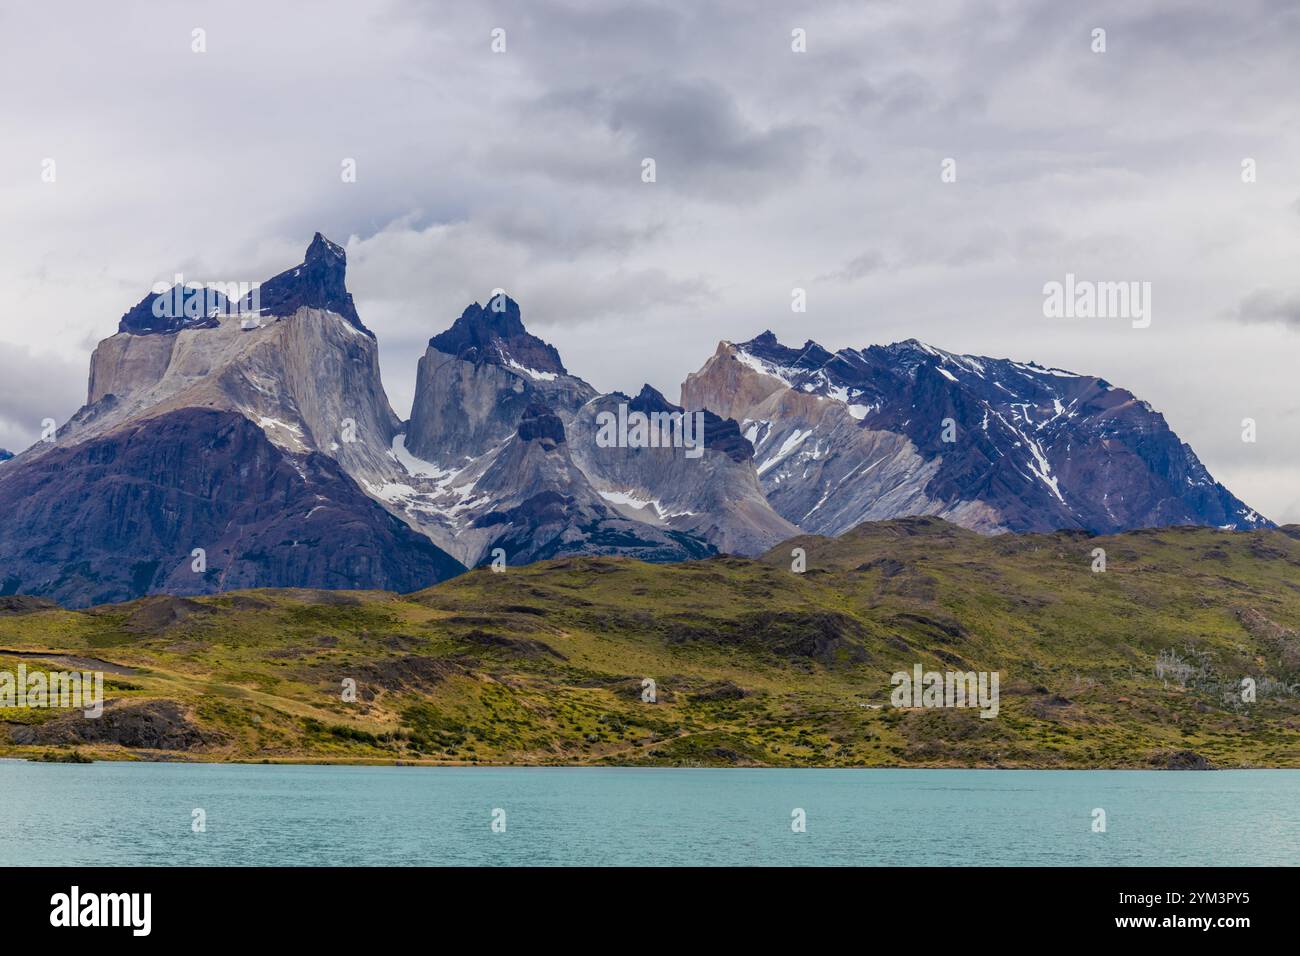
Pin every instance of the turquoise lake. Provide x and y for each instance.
(141, 814)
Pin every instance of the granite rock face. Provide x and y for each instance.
(713, 494)
(487, 389)
(264, 446)
(541, 505)
(477, 379)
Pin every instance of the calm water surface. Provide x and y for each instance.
(140, 813)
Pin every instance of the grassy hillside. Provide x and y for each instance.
(754, 664)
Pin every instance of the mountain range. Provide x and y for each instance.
(254, 446)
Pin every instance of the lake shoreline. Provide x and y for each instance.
(131, 758)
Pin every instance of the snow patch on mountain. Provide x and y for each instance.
(415, 466)
(531, 372)
(764, 367)
(787, 447)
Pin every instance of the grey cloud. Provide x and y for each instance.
(696, 133)
(859, 267)
(1267, 305)
(622, 295)
(37, 386)
(903, 94)
(568, 230)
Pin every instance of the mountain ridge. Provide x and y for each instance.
(942, 424)
(502, 452)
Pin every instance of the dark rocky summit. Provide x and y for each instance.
(318, 283)
(496, 334)
(158, 313)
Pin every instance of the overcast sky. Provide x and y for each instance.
(775, 170)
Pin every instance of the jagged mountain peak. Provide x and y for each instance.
(321, 249)
(318, 282)
(476, 380)
(978, 365)
(905, 356)
(766, 346)
(859, 375)
(496, 334)
(650, 399)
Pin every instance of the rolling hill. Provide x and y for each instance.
(752, 663)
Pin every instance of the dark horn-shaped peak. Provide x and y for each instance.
(495, 334)
(317, 283)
